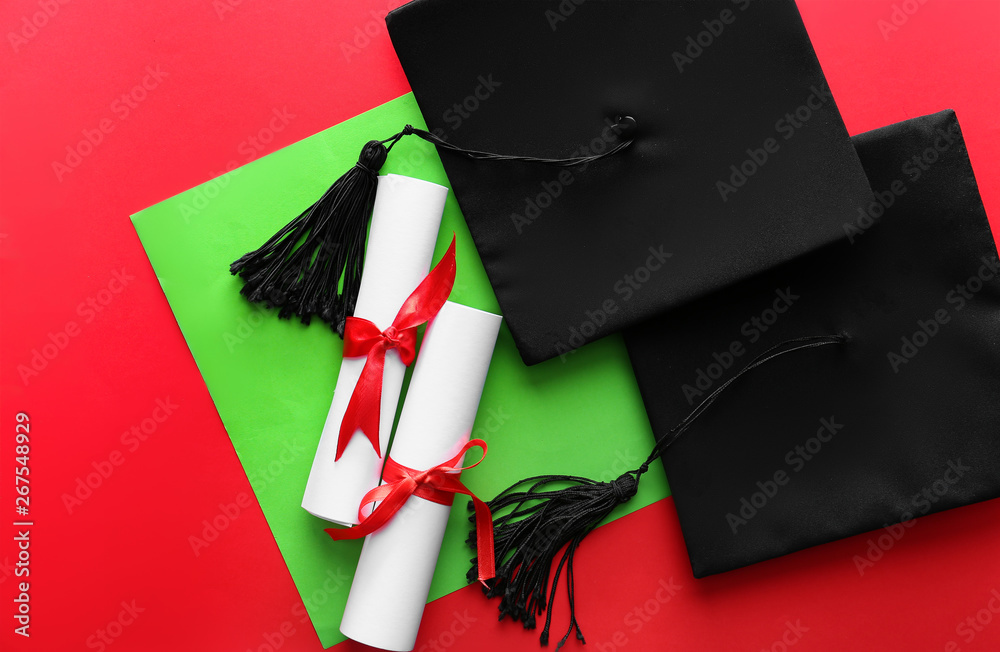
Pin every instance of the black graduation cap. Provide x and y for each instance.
(900, 421)
(739, 162)
(853, 389)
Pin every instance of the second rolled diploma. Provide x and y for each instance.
(397, 562)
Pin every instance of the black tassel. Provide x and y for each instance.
(536, 517)
(313, 265)
(300, 269)
(553, 512)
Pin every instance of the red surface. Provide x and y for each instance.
(229, 64)
(635, 592)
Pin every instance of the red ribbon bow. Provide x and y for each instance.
(363, 338)
(438, 484)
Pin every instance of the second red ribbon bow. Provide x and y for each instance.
(439, 485)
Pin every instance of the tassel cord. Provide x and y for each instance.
(776, 351)
(545, 514)
(624, 127)
(313, 264)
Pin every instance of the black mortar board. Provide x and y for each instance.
(900, 421)
(739, 162)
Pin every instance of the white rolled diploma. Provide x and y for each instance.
(404, 229)
(393, 578)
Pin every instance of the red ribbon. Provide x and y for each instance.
(438, 484)
(363, 338)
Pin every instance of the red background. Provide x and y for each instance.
(228, 64)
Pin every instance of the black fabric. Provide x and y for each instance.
(575, 254)
(903, 420)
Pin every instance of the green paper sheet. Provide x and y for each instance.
(273, 380)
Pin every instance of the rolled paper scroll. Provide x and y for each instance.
(397, 562)
(404, 230)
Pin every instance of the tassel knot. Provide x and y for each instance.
(624, 487)
(312, 266)
(373, 156)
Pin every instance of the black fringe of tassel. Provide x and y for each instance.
(553, 512)
(313, 265)
(300, 269)
(549, 512)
